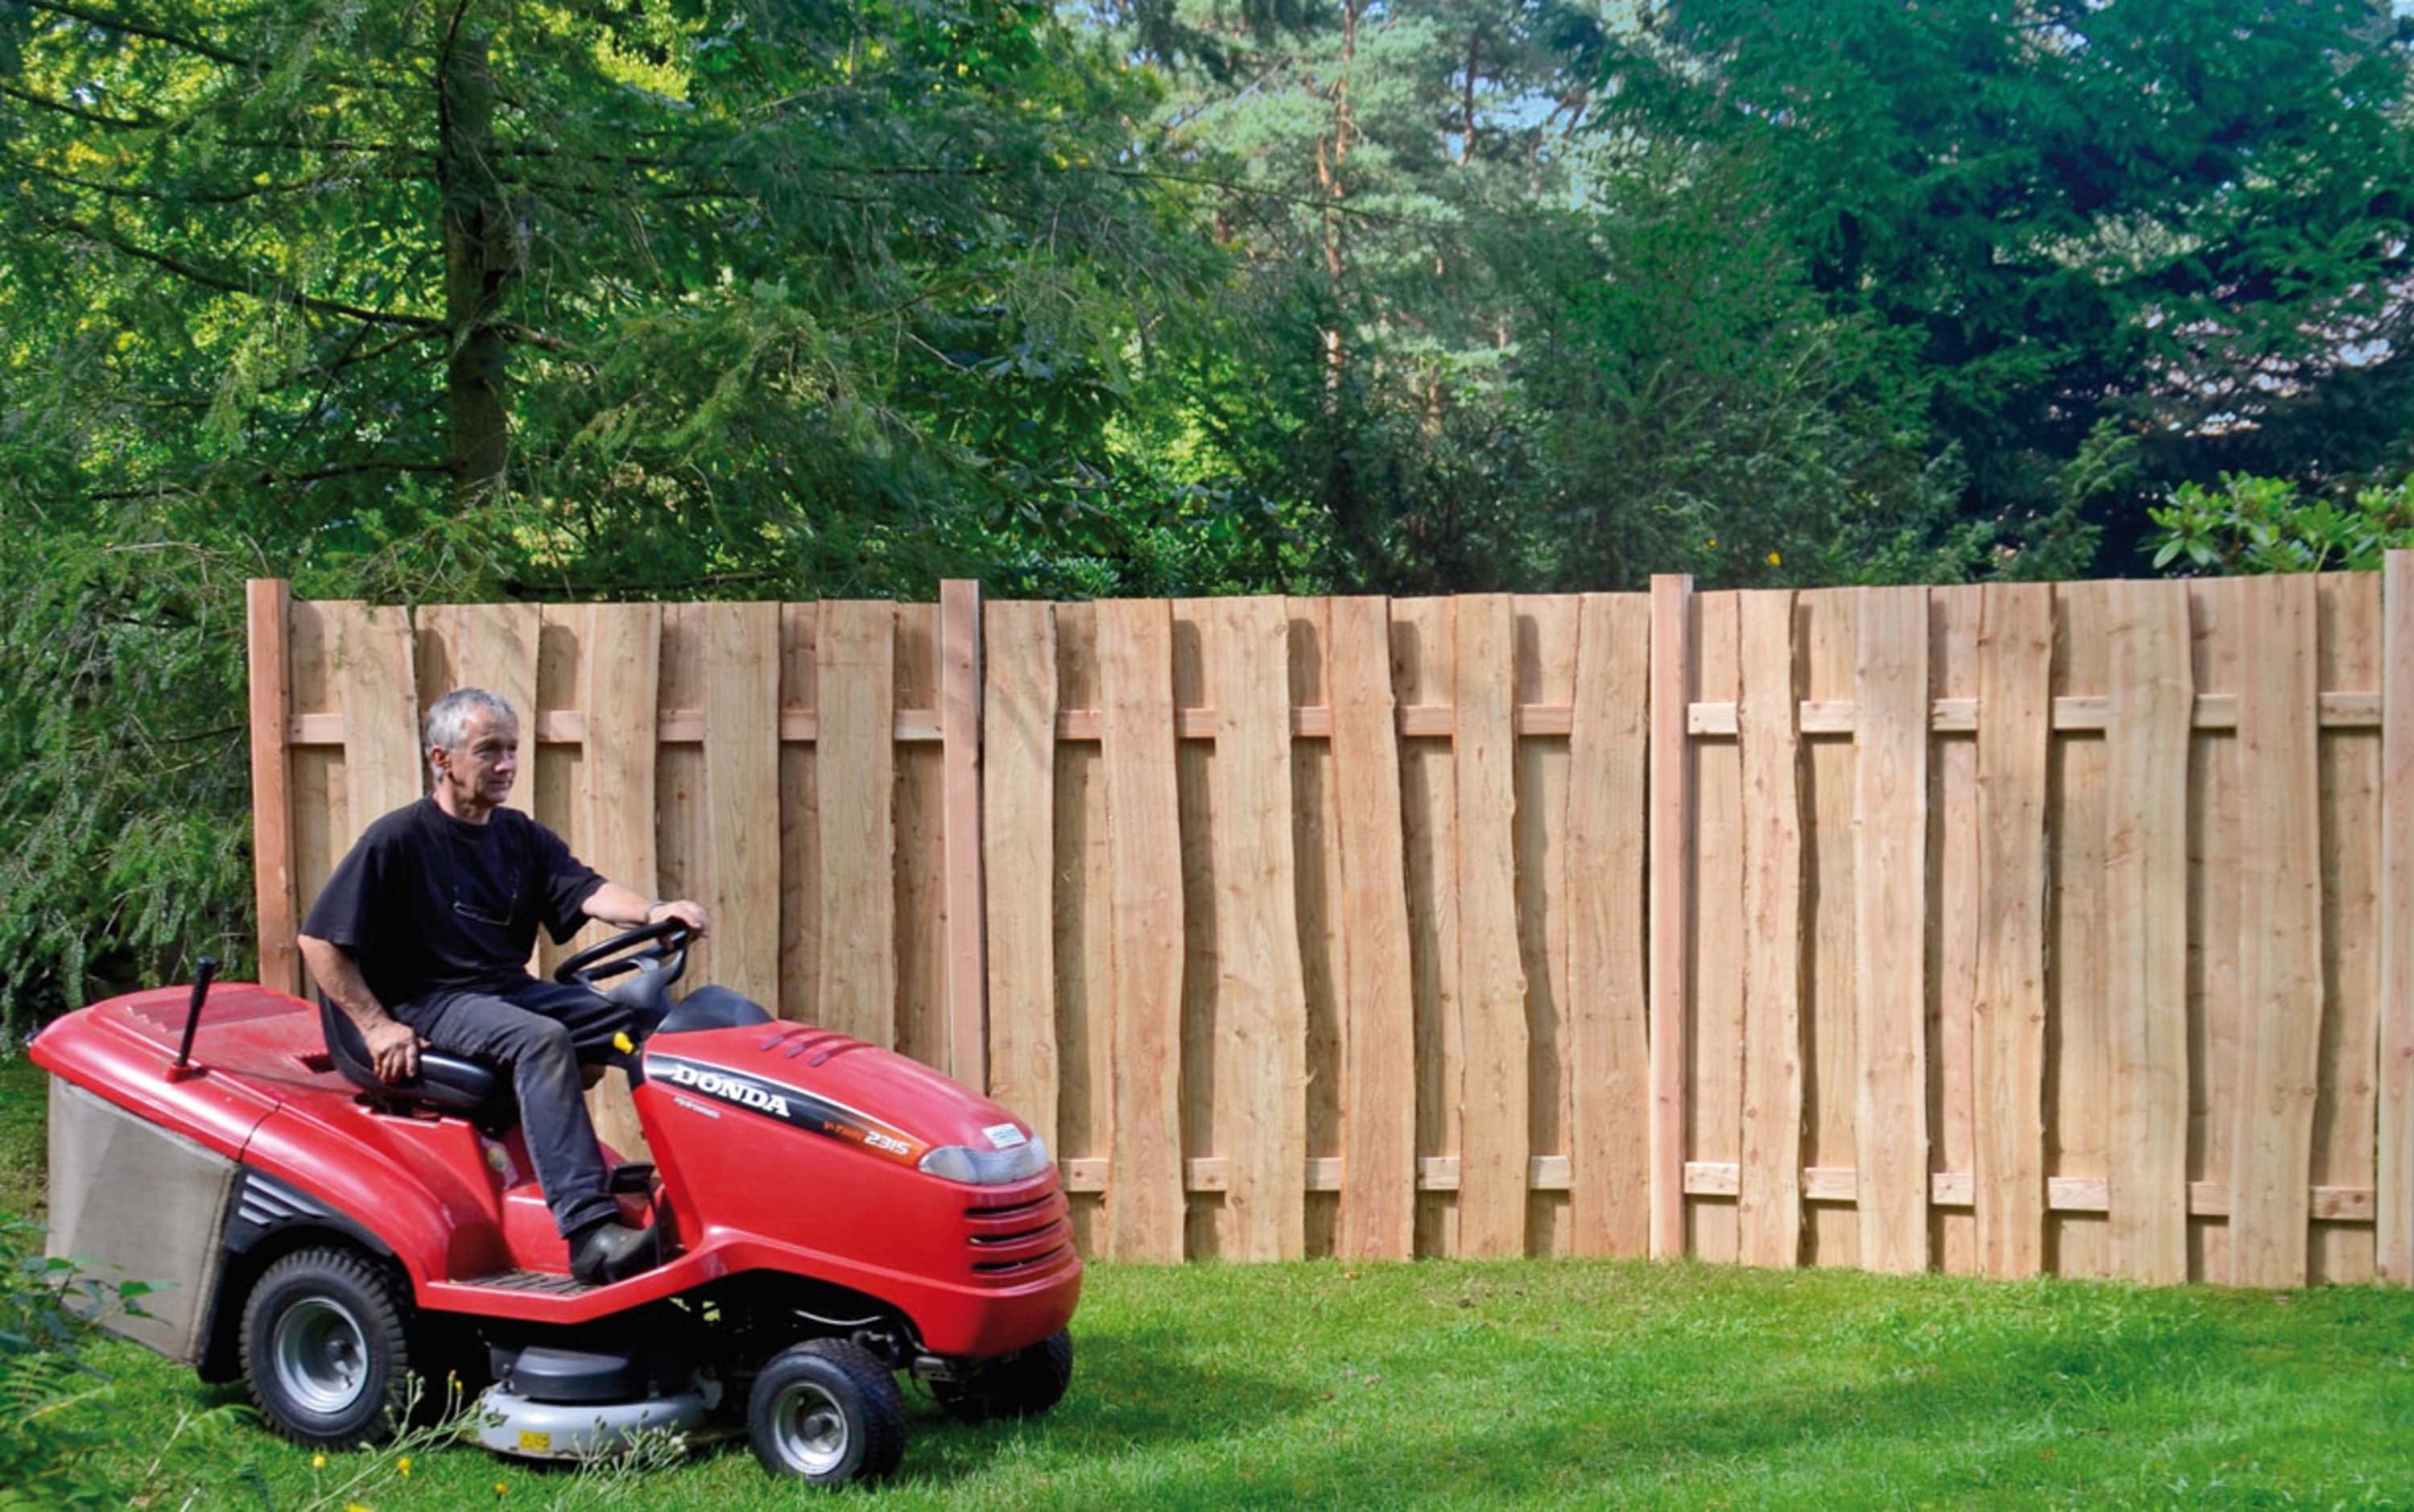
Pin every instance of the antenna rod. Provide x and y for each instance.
(193, 1013)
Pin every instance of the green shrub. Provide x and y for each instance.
(48, 1316)
(125, 777)
(2265, 525)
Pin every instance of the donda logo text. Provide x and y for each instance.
(730, 1089)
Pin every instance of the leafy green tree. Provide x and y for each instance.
(1471, 344)
(503, 298)
(2176, 218)
(622, 295)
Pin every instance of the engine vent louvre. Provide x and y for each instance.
(1011, 1210)
(990, 1241)
(1008, 1268)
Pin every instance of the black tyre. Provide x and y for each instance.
(1022, 1385)
(826, 1412)
(326, 1348)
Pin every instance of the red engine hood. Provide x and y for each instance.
(824, 1083)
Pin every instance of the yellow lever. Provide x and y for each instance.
(622, 1043)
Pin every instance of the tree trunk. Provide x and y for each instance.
(480, 258)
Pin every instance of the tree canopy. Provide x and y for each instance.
(695, 298)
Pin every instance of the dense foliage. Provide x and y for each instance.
(687, 298)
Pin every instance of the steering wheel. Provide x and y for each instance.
(664, 949)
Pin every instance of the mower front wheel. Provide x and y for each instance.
(326, 1348)
(1022, 1385)
(826, 1412)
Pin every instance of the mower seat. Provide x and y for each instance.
(450, 1083)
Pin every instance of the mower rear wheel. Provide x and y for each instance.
(826, 1412)
(1022, 1385)
(326, 1348)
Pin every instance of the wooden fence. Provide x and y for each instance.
(2008, 930)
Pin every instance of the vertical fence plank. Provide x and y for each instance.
(2348, 643)
(1769, 1191)
(620, 670)
(2214, 628)
(917, 855)
(855, 761)
(1492, 1142)
(1261, 1003)
(1954, 615)
(558, 789)
(2280, 938)
(1145, 1202)
(1379, 1119)
(2007, 1024)
(320, 805)
(1890, 834)
(1827, 638)
(1714, 1030)
(371, 647)
(682, 848)
(741, 769)
(1425, 671)
(2152, 704)
(1670, 894)
(1083, 935)
(266, 644)
(1207, 1217)
(2079, 1107)
(2394, 1168)
(1609, 1055)
(489, 646)
(1019, 825)
(1316, 844)
(800, 854)
(1545, 626)
(960, 721)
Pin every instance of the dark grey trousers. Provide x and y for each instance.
(537, 1034)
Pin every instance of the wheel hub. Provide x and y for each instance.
(321, 1354)
(810, 1430)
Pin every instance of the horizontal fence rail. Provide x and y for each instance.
(2031, 928)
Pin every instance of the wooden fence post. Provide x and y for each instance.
(959, 728)
(265, 603)
(1670, 901)
(2395, 1170)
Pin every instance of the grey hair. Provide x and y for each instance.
(448, 719)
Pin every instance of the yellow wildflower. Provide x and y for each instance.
(402, 1467)
(1774, 560)
(318, 1461)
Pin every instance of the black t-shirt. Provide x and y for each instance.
(425, 902)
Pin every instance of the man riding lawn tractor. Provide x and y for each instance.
(421, 938)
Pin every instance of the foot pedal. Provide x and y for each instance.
(636, 1177)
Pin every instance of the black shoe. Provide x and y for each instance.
(614, 1252)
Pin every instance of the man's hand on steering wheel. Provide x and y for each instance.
(686, 910)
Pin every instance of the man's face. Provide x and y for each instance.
(479, 770)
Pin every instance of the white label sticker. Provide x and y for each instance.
(1003, 1136)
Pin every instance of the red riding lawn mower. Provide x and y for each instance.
(832, 1214)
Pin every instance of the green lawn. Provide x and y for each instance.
(1540, 1383)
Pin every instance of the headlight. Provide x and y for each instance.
(988, 1168)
